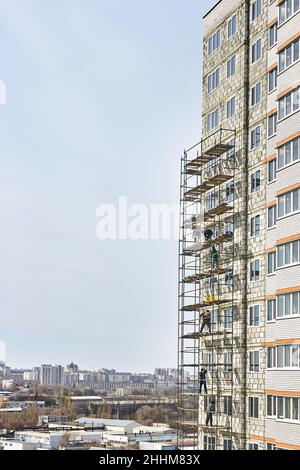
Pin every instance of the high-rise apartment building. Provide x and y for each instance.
(239, 282)
(51, 375)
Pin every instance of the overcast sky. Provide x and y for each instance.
(102, 96)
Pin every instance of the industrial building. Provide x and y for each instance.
(239, 253)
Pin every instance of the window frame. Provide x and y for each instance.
(272, 28)
(254, 361)
(272, 74)
(254, 315)
(255, 141)
(256, 51)
(216, 36)
(254, 269)
(231, 66)
(230, 28)
(255, 182)
(273, 119)
(253, 407)
(254, 93)
(256, 10)
(288, 101)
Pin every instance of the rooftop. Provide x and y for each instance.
(212, 9)
(108, 422)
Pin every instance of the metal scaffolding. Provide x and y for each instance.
(207, 281)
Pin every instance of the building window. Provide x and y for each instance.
(209, 361)
(289, 203)
(289, 55)
(287, 356)
(253, 407)
(227, 405)
(287, 9)
(255, 226)
(228, 361)
(272, 216)
(288, 305)
(254, 315)
(209, 442)
(287, 408)
(213, 119)
(256, 51)
(254, 270)
(212, 200)
(272, 125)
(227, 444)
(256, 94)
(229, 228)
(256, 137)
(231, 66)
(256, 181)
(229, 278)
(272, 170)
(231, 153)
(271, 358)
(228, 318)
(288, 153)
(232, 26)
(273, 35)
(289, 104)
(271, 310)
(214, 42)
(271, 406)
(288, 254)
(230, 191)
(272, 80)
(252, 446)
(213, 80)
(271, 262)
(230, 108)
(256, 9)
(254, 361)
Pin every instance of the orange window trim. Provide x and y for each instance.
(288, 239)
(287, 42)
(270, 158)
(288, 189)
(253, 437)
(282, 393)
(270, 113)
(271, 203)
(272, 22)
(280, 342)
(272, 67)
(288, 139)
(270, 296)
(286, 290)
(270, 250)
(273, 441)
(287, 91)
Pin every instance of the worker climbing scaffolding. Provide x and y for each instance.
(214, 257)
(206, 320)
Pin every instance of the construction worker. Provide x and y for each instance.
(214, 257)
(206, 320)
(208, 233)
(196, 235)
(210, 410)
(202, 380)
